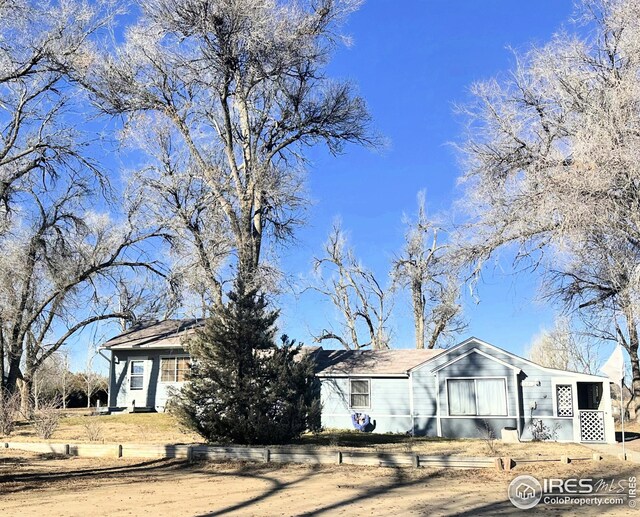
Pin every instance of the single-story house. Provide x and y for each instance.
(464, 391)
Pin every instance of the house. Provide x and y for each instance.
(148, 361)
(464, 391)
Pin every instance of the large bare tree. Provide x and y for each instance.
(58, 269)
(426, 270)
(553, 167)
(241, 85)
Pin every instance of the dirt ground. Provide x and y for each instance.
(31, 484)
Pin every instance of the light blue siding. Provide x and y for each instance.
(424, 404)
(389, 404)
(475, 427)
(155, 394)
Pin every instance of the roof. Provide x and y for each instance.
(154, 334)
(335, 363)
(527, 361)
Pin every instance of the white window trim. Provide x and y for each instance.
(132, 375)
(506, 396)
(369, 391)
(175, 371)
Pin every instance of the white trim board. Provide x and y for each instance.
(481, 417)
(372, 415)
(367, 375)
(510, 354)
(476, 351)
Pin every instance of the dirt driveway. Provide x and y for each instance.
(33, 485)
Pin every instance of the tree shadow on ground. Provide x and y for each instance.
(457, 504)
(390, 481)
(21, 482)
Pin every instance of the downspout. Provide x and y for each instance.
(438, 421)
(99, 350)
(518, 410)
(413, 425)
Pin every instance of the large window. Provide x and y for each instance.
(136, 376)
(360, 393)
(174, 369)
(477, 397)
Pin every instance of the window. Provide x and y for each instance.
(477, 397)
(564, 399)
(174, 369)
(136, 377)
(360, 393)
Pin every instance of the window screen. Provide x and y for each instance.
(360, 394)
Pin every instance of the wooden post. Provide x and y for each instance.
(565, 459)
(119, 451)
(267, 455)
(507, 463)
(416, 461)
(596, 457)
(498, 463)
(66, 449)
(189, 453)
(339, 458)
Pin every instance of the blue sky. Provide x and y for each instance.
(412, 61)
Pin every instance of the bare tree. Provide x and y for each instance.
(565, 348)
(55, 273)
(241, 85)
(355, 292)
(92, 381)
(179, 200)
(424, 268)
(552, 167)
(40, 41)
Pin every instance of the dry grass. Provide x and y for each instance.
(443, 446)
(160, 428)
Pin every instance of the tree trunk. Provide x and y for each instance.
(14, 374)
(634, 406)
(418, 313)
(632, 348)
(2, 383)
(26, 387)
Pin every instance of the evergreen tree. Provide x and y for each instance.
(242, 387)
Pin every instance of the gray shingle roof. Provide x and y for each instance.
(155, 334)
(171, 334)
(371, 362)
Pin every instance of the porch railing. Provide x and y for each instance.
(592, 426)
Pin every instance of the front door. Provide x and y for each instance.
(592, 428)
(138, 379)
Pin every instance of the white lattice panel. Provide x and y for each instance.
(564, 395)
(592, 426)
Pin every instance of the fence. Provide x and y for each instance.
(310, 455)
